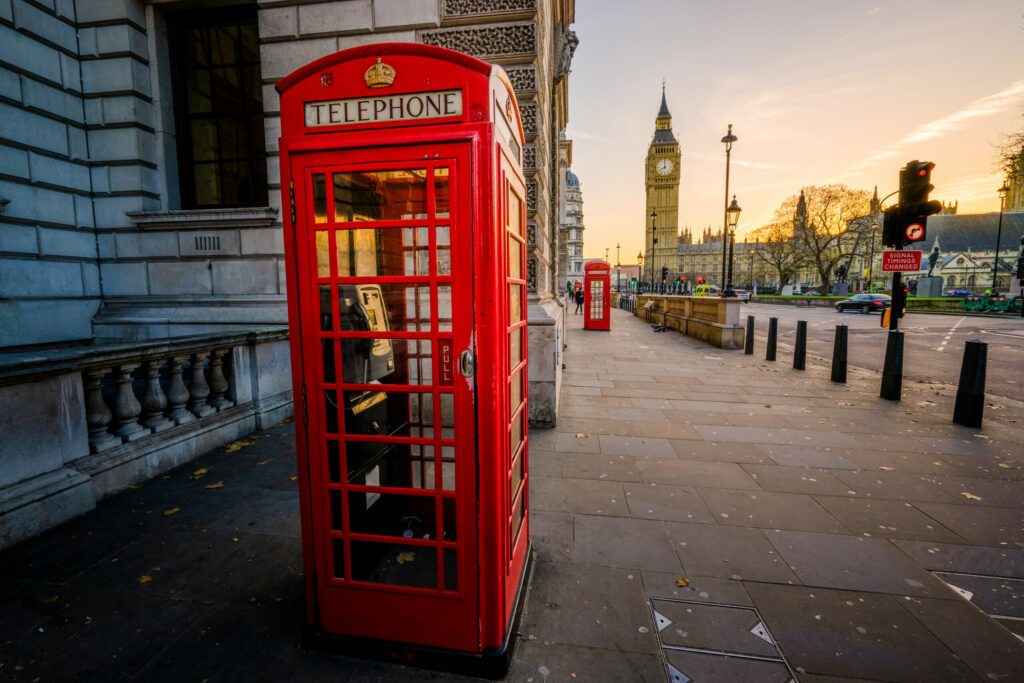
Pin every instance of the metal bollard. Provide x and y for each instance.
(748, 347)
(970, 393)
(800, 351)
(839, 354)
(773, 333)
(892, 371)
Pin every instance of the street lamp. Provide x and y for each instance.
(618, 269)
(732, 216)
(999, 233)
(728, 140)
(640, 275)
(654, 241)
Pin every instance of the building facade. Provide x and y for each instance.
(661, 180)
(572, 228)
(142, 295)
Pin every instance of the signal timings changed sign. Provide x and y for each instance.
(901, 261)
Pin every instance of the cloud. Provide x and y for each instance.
(990, 105)
(873, 10)
(760, 165)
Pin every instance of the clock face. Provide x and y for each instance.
(665, 166)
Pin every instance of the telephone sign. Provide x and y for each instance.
(405, 253)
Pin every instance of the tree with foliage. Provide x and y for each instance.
(823, 223)
(778, 249)
(1011, 155)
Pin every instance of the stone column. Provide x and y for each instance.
(177, 392)
(126, 406)
(153, 399)
(218, 383)
(97, 414)
(198, 389)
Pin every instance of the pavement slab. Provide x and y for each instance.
(807, 480)
(989, 526)
(736, 553)
(714, 628)
(846, 633)
(673, 586)
(854, 563)
(888, 519)
(666, 502)
(769, 510)
(582, 495)
(628, 543)
(965, 559)
(696, 473)
(700, 666)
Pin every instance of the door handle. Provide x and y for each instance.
(467, 363)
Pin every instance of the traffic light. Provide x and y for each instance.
(664, 273)
(700, 279)
(914, 209)
(892, 229)
(902, 309)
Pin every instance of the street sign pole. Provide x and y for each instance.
(896, 300)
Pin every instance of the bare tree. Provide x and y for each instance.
(822, 218)
(778, 248)
(1011, 154)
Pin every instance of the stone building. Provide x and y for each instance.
(571, 220)
(704, 260)
(142, 300)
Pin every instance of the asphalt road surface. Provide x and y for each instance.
(933, 345)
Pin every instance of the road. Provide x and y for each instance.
(932, 345)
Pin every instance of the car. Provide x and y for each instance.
(865, 303)
(813, 292)
(742, 294)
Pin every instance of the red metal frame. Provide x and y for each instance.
(597, 282)
(482, 151)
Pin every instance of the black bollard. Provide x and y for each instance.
(748, 347)
(970, 394)
(800, 351)
(773, 332)
(892, 371)
(839, 355)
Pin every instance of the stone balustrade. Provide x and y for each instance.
(83, 422)
(711, 319)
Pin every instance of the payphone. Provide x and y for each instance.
(405, 246)
(597, 296)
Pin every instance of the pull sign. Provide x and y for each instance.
(447, 352)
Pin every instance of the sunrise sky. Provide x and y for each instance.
(818, 91)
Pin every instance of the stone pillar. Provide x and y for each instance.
(153, 399)
(126, 406)
(198, 389)
(97, 414)
(218, 383)
(177, 392)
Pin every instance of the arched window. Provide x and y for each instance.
(951, 282)
(970, 281)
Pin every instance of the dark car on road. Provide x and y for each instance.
(865, 303)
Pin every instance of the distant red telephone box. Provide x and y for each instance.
(405, 246)
(597, 280)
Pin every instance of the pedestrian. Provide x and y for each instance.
(579, 301)
(568, 288)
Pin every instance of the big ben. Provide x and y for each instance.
(662, 181)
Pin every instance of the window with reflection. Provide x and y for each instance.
(380, 195)
(219, 108)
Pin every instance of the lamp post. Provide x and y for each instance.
(732, 217)
(618, 269)
(654, 241)
(999, 233)
(728, 140)
(640, 275)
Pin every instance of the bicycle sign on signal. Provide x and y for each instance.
(915, 232)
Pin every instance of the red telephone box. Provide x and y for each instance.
(405, 246)
(597, 281)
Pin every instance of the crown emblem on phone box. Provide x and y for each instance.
(380, 75)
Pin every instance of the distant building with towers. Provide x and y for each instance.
(571, 218)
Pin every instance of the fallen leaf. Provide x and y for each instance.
(145, 578)
(235, 446)
(215, 485)
(234, 539)
(287, 420)
(166, 476)
(970, 496)
(50, 600)
(682, 583)
(581, 435)
(135, 487)
(1007, 465)
(402, 558)
(262, 462)
(293, 477)
(88, 620)
(886, 468)
(171, 511)
(200, 473)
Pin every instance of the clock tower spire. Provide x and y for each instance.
(661, 177)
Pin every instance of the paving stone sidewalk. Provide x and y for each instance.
(697, 515)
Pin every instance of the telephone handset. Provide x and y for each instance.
(362, 310)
